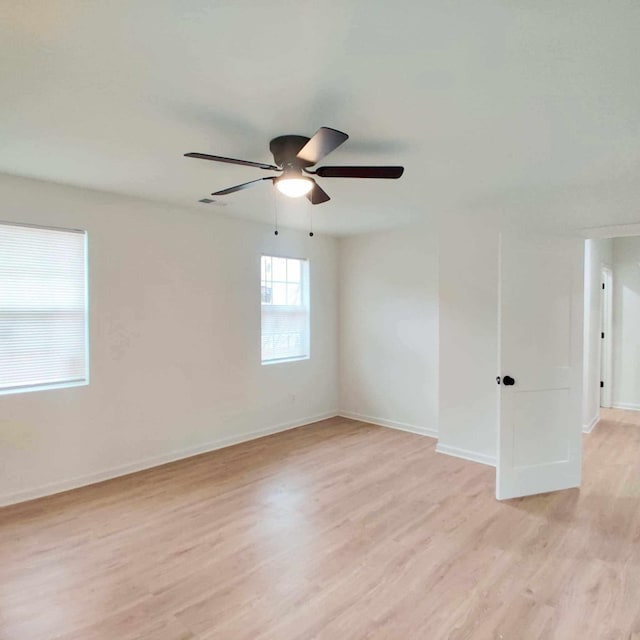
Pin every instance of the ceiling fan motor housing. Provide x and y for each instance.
(285, 150)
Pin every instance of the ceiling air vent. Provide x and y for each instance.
(213, 201)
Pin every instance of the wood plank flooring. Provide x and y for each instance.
(339, 531)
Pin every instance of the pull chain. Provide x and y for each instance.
(310, 219)
(275, 209)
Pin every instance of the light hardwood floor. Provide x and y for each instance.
(340, 530)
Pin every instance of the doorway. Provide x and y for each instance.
(606, 337)
(612, 325)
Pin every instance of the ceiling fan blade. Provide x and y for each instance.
(246, 163)
(240, 187)
(317, 195)
(389, 173)
(324, 141)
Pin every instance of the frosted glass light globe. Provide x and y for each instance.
(294, 187)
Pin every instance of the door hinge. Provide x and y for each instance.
(602, 335)
(601, 384)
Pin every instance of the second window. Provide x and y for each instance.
(285, 309)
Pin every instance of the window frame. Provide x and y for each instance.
(305, 296)
(85, 381)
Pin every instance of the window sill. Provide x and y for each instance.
(44, 387)
(285, 360)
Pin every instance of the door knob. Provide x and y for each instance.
(508, 381)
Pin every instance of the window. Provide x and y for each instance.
(43, 308)
(285, 309)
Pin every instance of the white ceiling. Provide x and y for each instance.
(527, 109)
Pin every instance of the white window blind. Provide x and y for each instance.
(285, 309)
(43, 308)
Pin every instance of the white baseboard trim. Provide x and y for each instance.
(626, 405)
(588, 428)
(155, 461)
(391, 424)
(465, 454)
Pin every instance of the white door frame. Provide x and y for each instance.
(606, 350)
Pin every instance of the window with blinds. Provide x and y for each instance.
(285, 309)
(43, 308)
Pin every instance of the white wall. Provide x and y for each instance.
(598, 253)
(389, 328)
(174, 337)
(626, 323)
(418, 331)
(468, 340)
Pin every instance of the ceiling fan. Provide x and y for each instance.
(293, 155)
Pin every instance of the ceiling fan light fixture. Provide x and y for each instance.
(294, 187)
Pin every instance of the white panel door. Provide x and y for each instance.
(540, 339)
